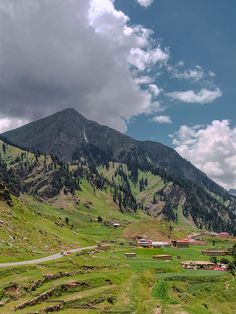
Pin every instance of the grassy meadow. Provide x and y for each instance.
(101, 281)
(108, 282)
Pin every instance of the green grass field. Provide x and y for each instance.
(108, 282)
(102, 282)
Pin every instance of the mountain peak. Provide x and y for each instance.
(69, 110)
(60, 133)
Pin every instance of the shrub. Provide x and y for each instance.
(224, 261)
(213, 259)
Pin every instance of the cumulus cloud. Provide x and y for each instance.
(211, 74)
(203, 97)
(142, 80)
(8, 124)
(145, 3)
(162, 119)
(146, 59)
(154, 89)
(211, 148)
(194, 74)
(82, 54)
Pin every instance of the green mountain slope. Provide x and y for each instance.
(177, 190)
(181, 202)
(40, 175)
(70, 136)
(42, 211)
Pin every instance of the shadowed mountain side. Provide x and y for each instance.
(70, 136)
(185, 190)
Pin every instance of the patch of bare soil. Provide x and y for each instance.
(65, 201)
(13, 291)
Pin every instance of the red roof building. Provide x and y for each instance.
(180, 243)
(224, 234)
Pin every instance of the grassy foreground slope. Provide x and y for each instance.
(107, 282)
(31, 228)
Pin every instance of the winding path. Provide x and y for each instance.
(46, 258)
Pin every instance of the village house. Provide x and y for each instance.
(144, 243)
(197, 242)
(198, 265)
(213, 234)
(132, 243)
(216, 252)
(180, 243)
(130, 255)
(162, 257)
(159, 244)
(115, 225)
(223, 235)
(103, 246)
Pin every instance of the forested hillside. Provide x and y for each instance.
(155, 191)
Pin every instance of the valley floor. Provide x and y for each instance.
(95, 281)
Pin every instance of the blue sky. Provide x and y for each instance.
(203, 33)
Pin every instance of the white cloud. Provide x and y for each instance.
(145, 3)
(156, 106)
(8, 124)
(145, 59)
(203, 97)
(142, 80)
(154, 89)
(82, 54)
(162, 119)
(195, 74)
(211, 74)
(180, 63)
(211, 148)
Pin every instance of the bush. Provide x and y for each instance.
(234, 251)
(213, 259)
(224, 261)
(99, 219)
(232, 268)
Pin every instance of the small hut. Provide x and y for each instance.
(144, 243)
(159, 244)
(198, 265)
(223, 235)
(103, 246)
(130, 255)
(219, 252)
(180, 243)
(115, 225)
(162, 257)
